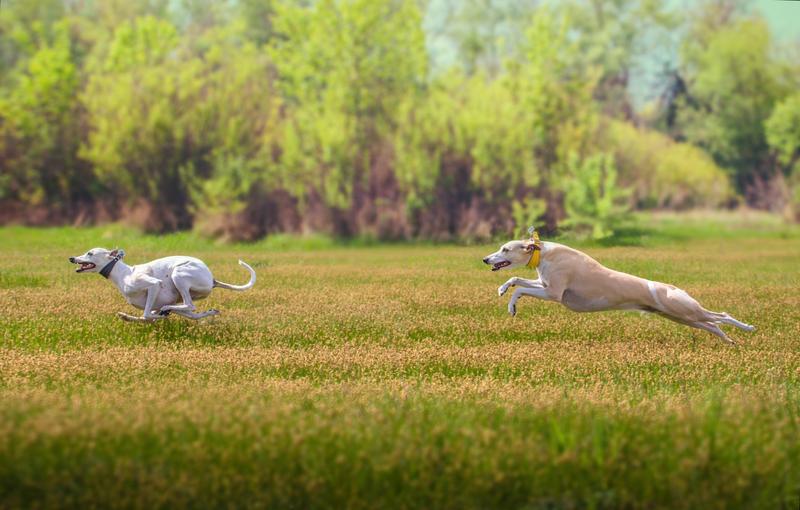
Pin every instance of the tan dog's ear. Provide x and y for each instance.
(529, 246)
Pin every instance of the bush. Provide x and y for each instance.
(594, 203)
(664, 173)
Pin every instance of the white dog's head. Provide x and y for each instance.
(96, 259)
(510, 255)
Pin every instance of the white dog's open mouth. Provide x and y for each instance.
(501, 265)
(85, 266)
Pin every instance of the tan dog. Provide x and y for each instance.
(582, 284)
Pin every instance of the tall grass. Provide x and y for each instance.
(391, 377)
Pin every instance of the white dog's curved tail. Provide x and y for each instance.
(248, 285)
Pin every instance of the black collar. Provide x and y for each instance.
(108, 267)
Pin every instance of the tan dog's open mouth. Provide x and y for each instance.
(500, 265)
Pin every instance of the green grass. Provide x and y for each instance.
(371, 376)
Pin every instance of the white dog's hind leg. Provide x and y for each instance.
(196, 316)
(131, 318)
(519, 282)
(540, 293)
(187, 305)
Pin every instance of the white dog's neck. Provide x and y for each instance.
(118, 273)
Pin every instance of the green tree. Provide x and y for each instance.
(783, 135)
(614, 37)
(662, 172)
(734, 81)
(177, 123)
(40, 129)
(783, 131)
(594, 202)
(25, 26)
(343, 67)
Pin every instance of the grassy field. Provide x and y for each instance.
(392, 377)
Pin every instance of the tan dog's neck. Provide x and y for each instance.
(536, 256)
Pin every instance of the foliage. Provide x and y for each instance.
(783, 130)
(160, 123)
(595, 203)
(664, 173)
(136, 102)
(39, 129)
(245, 118)
(725, 110)
(343, 66)
(614, 37)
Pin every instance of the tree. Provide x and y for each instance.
(40, 129)
(613, 36)
(783, 135)
(783, 131)
(733, 81)
(595, 204)
(137, 142)
(343, 67)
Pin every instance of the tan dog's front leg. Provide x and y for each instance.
(540, 293)
(519, 282)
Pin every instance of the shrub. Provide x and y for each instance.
(594, 202)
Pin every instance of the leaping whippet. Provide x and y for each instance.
(157, 286)
(582, 284)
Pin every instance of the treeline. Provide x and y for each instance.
(243, 118)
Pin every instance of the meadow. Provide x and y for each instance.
(358, 375)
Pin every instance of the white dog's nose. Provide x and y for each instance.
(72, 259)
(486, 260)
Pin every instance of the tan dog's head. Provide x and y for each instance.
(510, 255)
(95, 259)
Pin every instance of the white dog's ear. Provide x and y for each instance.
(117, 252)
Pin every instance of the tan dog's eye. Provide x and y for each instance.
(505, 250)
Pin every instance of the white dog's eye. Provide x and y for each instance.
(89, 254)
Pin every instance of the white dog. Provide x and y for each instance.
(582, 284)
(157, 286)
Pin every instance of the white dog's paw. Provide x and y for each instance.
(213, 311)
(512, 308)
(502, 289)
(128, 318)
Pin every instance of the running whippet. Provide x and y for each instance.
(157, 286)
(582, 284)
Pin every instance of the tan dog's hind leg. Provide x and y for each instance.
(675, 304)
(724, 318)
(713, 329)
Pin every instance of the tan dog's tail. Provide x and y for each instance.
(248, 285)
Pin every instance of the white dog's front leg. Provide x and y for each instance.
(519, 282)
(539, 292)
(152, 293)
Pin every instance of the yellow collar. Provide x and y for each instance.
(533, 263)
